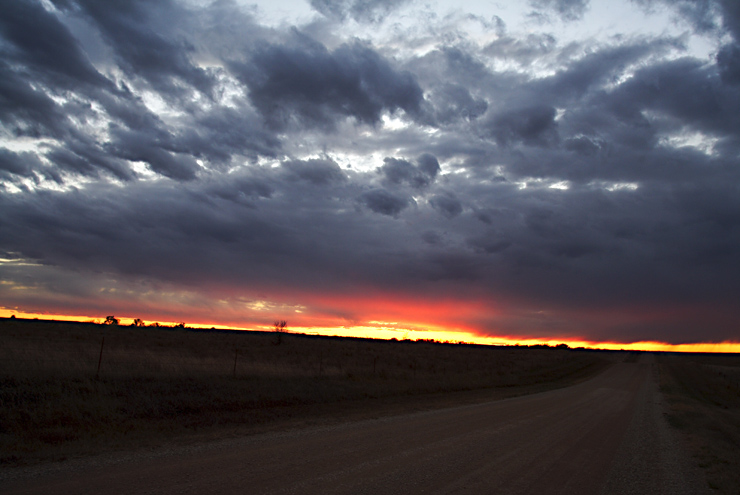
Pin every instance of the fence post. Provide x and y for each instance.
(236, 351)
(100, 358)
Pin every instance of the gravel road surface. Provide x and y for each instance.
(603, 436)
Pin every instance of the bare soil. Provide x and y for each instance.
(605, 435)
(702, 394)
(72, 390)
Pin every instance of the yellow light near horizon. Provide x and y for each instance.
(123, 321)
(469, 337)
(7, 313)
(392, 331)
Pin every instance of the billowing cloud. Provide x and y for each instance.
(399, 171)
(320, 172)
(568, 10)
(384, 202)
(447, 204)
(530, 125)
(55, 58)
(359, 10)
(307, 83)
(147, 42)
(180, 158)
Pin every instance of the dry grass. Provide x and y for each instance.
(703, 395)
(158, 384)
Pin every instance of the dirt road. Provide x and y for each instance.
(606, 435)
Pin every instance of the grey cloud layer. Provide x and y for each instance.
(308, 84)
(607, 186)
(568, 10)
(359, 10)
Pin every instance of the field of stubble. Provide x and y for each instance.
(702, 392)
(77, 389)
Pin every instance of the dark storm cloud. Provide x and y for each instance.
(49, 88)
(453, 102)
(428, 164)
(602, 66)
(320, 172)
(699, 98)
(568, 10)
(728, 61)
(399, 171)
(384, 202)
(305, 82)
(224, 132)
(249, 228)
(140, 146)
(583, 179)
(142, 38)
(359, 10)
(548, 245)
(534, 126)
(84, 157)
(24, 109)
(18, 165)
(447, 204)
(488, 244)
(467, 66)
(55, 56)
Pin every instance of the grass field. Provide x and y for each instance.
(73, 389)
(703, 396)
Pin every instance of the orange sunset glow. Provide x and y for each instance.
(456, 179)
(399, 331)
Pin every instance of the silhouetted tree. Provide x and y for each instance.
(111, 320)
(280, 326)
(138, 323)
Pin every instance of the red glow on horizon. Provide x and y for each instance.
(377, 330)
(395, 310)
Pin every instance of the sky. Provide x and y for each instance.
(493, 171)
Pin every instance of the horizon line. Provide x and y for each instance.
(386, 333)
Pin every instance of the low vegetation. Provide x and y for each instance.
(703, 396)
(70, 389)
